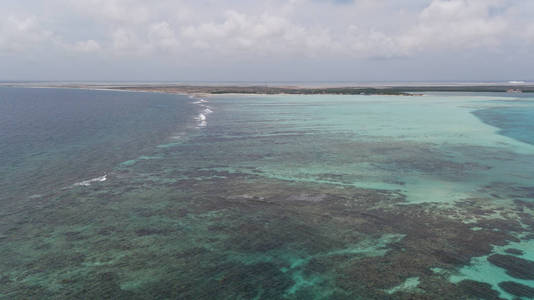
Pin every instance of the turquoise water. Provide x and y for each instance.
(138, 195)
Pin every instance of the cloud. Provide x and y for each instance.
(528, 33)
(440, 26)
(274, 30)
(161, 36)
(89, 46)
(20, 34)
(362, 42)
(134, 27)
(265, 34)
(127, 42)
(122, 11)
(456, 24)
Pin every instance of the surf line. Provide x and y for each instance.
(90, 181)
(202, 117)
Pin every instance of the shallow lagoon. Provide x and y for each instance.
(295, 197)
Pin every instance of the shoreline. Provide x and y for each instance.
(262, 90)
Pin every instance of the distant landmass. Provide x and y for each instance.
(407, 90)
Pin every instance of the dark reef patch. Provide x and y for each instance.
(479, 290)
(98, 286)
(514, 266)
(74, 236)
(517, 289)
(152, 231)
(514, 251)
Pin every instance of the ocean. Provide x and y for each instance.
(111, 195)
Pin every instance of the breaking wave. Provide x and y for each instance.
(90, 181)
(201, 118)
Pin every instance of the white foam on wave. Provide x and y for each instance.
(90, 181)
(200, 101)
(201, 117)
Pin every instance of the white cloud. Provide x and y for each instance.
(89, 46)
(161, 36)
(440, 26)
(263, 34)
(19, 34)
(230, 31)
(134, 27)
(454, 24)
(528, 33)
(362, 42)
(128, 42)
(123, 11)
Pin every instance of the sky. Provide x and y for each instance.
(271, 40)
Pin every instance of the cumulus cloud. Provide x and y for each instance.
(89, 46)
(161, 36)
(528, 33)
(278, 30)
(18, 34)
(144, 28)
(125, 41)
(364, 42)
(442, 25)
(455, 24)
(263, 34)
(123, 11)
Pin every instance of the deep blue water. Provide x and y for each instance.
(50, 138)
(515, 122)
